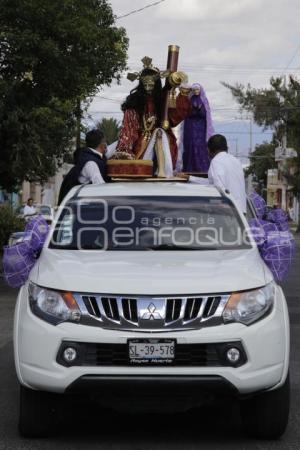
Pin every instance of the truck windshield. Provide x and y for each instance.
(150, 223)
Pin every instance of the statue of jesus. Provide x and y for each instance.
(143, 116)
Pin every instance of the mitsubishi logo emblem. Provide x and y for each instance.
(152, 313)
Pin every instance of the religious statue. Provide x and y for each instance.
(197, 129)
(150, 112)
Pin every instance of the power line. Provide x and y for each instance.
(245, 132)
(140, 9)
(212, 66)
(217, 108)
(218, 68)
(292, 59)
(109, 98)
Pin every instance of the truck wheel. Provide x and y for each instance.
(266, 415)
(36, 413)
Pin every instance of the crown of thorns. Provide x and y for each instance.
(147, 64)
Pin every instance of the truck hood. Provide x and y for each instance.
(151, 273)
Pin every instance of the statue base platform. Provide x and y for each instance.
(198, 174)
(150, 179)
(130, 168)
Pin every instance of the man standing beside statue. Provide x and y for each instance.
(225, 171)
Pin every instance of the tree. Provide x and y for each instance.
(277, 108)
(10, 222)
(51, 55)
(110, 128)
(261, 160)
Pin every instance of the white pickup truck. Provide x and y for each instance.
(152, 295)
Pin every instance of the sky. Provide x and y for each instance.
(236, 41)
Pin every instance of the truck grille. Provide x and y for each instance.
(151, 313)
(186, 355)
(129, 306)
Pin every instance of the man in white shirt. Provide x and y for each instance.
(91, 173)
(225, 171)
(29, 209)
(90, 164)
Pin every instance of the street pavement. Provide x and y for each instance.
(83, 427)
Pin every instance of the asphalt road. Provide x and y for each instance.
(85, 428)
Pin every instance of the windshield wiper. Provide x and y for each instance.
(178, 247)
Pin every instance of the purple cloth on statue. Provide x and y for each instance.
(259, 204)
(204, 100)
(195, 156)
(19, 259)
(276, 247)
(198, 129)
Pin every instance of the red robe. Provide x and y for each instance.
(131, 134)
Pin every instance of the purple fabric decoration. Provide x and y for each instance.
(278, 252)
(198, 128)
(259, 204)
(38, 230)
(279, 217)
(19, 259)
(276, 247)
(259, 229)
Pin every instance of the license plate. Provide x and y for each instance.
(151, 351)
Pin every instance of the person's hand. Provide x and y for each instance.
(183, 175)
(176, 79)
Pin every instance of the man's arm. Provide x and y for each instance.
(92, 173)
(199, 180)
(217, 175)
(191, 179)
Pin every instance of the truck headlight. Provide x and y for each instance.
(250, 306)
(53, 306)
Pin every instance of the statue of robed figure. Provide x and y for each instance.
(197, 129)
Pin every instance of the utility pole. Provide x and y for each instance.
(250, 118)
(236, 145)
(282, 163)
(251, 134)
(78, 123)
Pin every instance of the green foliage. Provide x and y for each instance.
(110, 128)
(261, 160)
(278, 108)
(51, 54)
(9, 223)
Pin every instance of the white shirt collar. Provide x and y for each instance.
(220, 154)
(95, 151)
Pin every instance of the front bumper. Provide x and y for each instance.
(37, 344)
(149, 393)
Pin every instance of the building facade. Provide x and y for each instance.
(279, 192)
(46, 194)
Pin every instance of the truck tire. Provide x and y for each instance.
(266, 415)
(37, 413)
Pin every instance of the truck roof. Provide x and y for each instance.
(145, 189)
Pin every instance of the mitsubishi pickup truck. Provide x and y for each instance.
(152, 295)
